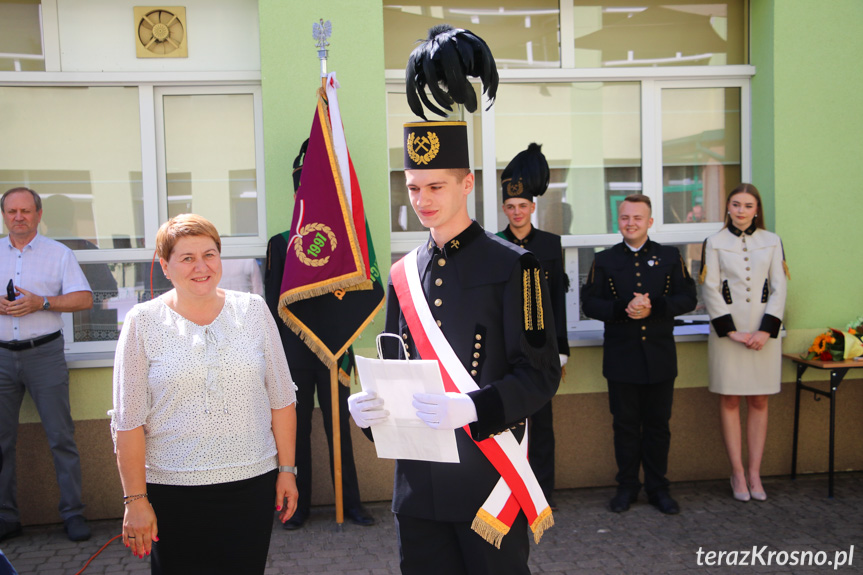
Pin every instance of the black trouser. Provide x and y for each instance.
(308, 381)
(223, 528)
(541, 448)
(439, 547)
(641, 413)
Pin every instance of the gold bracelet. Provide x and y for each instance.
(127, 499)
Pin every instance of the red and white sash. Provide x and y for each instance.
(517, 487)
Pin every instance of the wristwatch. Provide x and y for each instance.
(288, 469)
(46, 305)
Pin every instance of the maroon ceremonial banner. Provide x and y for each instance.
(323, 253)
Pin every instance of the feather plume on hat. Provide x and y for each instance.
(527, 174)
(443, 63)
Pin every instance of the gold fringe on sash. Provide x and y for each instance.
(543, 521)
(703, 273)
(785, 267)
(489, 527)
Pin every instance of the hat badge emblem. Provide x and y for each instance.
(423, 149)
(515, 189)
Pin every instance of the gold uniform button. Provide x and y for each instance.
(477, 345)
(438, 323)
(745, 249)
(438, 282)
(438, 302)
(476, 354)
(644, 327)
(478, 337)
(747, 268)
(638, 284)
(404, 336)
(638, 274)
(473, 372)
(747, 279)
(408, 354)
(748, 289)
(748, 300)
(636, 264)
(636, 254)
(521, 423)
(474, 363)
(441, 262)
(746, 259)
(643, 338)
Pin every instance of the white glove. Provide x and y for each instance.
(367, 409)
(563, 359)
(448, 411)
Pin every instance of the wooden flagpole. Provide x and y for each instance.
(321, 31)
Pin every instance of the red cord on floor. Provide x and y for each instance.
(96, 554)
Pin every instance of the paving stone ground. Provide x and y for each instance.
(798, 523)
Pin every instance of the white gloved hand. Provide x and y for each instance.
(367, 409)
(563, 359)
(448, 411)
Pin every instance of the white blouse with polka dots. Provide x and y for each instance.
(204, 394)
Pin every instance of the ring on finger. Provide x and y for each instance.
(130, 537)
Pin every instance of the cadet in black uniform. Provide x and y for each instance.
(637, 288)
(488, 298)
(311, 376)
(524, 178)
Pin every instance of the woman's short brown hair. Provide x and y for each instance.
(182, 226)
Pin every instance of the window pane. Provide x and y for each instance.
(117, 286)
(402, 216)
(520, 33)
(21, 36)
(210, 160)
(691, 254)
(591, 136)
(658, 33)
(80, 149)
(700, 152)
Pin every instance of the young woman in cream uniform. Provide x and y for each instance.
(744, 276)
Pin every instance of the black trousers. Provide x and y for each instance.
(437, 547)
(641, 412)
(308, 382)
(219, 529)
(541, 448)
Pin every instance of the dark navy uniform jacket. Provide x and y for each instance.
(638, 351)
(546, 247)
(490, 300)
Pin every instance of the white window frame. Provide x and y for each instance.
(151, 86)
(652, 82)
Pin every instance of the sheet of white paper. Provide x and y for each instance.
(403, 435)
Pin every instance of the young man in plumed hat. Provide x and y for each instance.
(524, 178)
(479, 305)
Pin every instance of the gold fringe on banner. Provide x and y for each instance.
(489, 527)
(543, 521)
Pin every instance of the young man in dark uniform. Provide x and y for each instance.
(524, 178)
(637, 288)
(488, 298)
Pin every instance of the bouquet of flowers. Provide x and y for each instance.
(838, 345)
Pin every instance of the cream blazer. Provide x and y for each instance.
(745, 282)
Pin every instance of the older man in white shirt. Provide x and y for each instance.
(46, 280)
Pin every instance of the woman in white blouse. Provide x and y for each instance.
(744, 276)
(203, 415)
